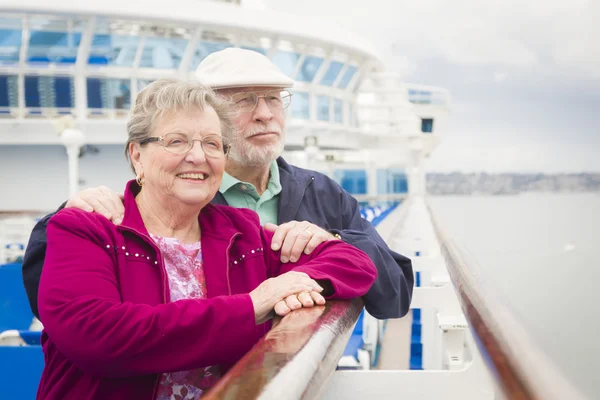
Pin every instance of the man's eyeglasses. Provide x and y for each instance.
(180, 143)
(275, 99)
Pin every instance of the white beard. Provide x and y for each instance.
(245, 154)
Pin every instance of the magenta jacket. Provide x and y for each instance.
(110, 329)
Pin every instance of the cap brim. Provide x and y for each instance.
(218, 87)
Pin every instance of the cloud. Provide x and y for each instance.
(524, 75)
(516, 33)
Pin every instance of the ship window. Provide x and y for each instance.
(338, 110)
(115, 43)
(332, 73)
(286, 61)
(9, 93)
(354, 181)
(419, 96)
(323, 108)
(49, 92)
(427, 125)
(142, 83)
(309, 68)
(54, 39)
(204, 49)
(256, 49)
(163, 53)
(10, 43)
(53, 47)
(112, 94)
(300, 105)
(347, 77)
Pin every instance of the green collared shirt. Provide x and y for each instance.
(244, 195)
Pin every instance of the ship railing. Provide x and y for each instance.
(35, 112)
(520, 368)
(296, 358)
(469, 345)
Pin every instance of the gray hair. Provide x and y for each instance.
(165, 96)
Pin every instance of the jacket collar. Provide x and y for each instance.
(294, 182)
(213, 221)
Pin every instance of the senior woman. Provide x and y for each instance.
(161, 305)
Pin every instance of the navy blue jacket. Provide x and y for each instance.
(305, 196)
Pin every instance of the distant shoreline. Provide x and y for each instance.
(457, 183)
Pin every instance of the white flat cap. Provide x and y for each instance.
(234, 67)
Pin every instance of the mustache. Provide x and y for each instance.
(262, 129)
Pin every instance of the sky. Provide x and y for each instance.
(524, 75)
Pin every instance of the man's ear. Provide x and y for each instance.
(135, 156)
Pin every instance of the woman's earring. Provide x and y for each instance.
(140, 179)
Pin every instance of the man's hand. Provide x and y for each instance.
(295, 237)
(101, 200)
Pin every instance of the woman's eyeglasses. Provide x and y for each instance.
(180, 143)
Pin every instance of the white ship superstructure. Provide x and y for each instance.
(89, 60)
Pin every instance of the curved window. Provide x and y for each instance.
(323, 108)
(204, 49)
(347, 77)
(338, 111)
(286, 61)
(111, 94)
(163, 53)
(10, 44)
(117, 50)
(53, 47)
(300, 106)
(309, 69)
(332, 73)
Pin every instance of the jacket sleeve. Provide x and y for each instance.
(33, 261)
(391, 294)
(348, 270)
(84, 315)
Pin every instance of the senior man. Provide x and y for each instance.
(303, 207)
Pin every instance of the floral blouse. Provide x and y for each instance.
(183, 263)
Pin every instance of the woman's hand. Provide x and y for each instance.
(279, 289)
(296, 301)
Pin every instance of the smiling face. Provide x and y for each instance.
(260, 133)
(192, 178)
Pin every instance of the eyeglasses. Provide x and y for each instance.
(275, 99)
(180, 143)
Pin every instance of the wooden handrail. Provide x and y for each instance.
(521, 369)
(296, 358)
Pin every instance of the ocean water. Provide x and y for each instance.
(542, 254)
